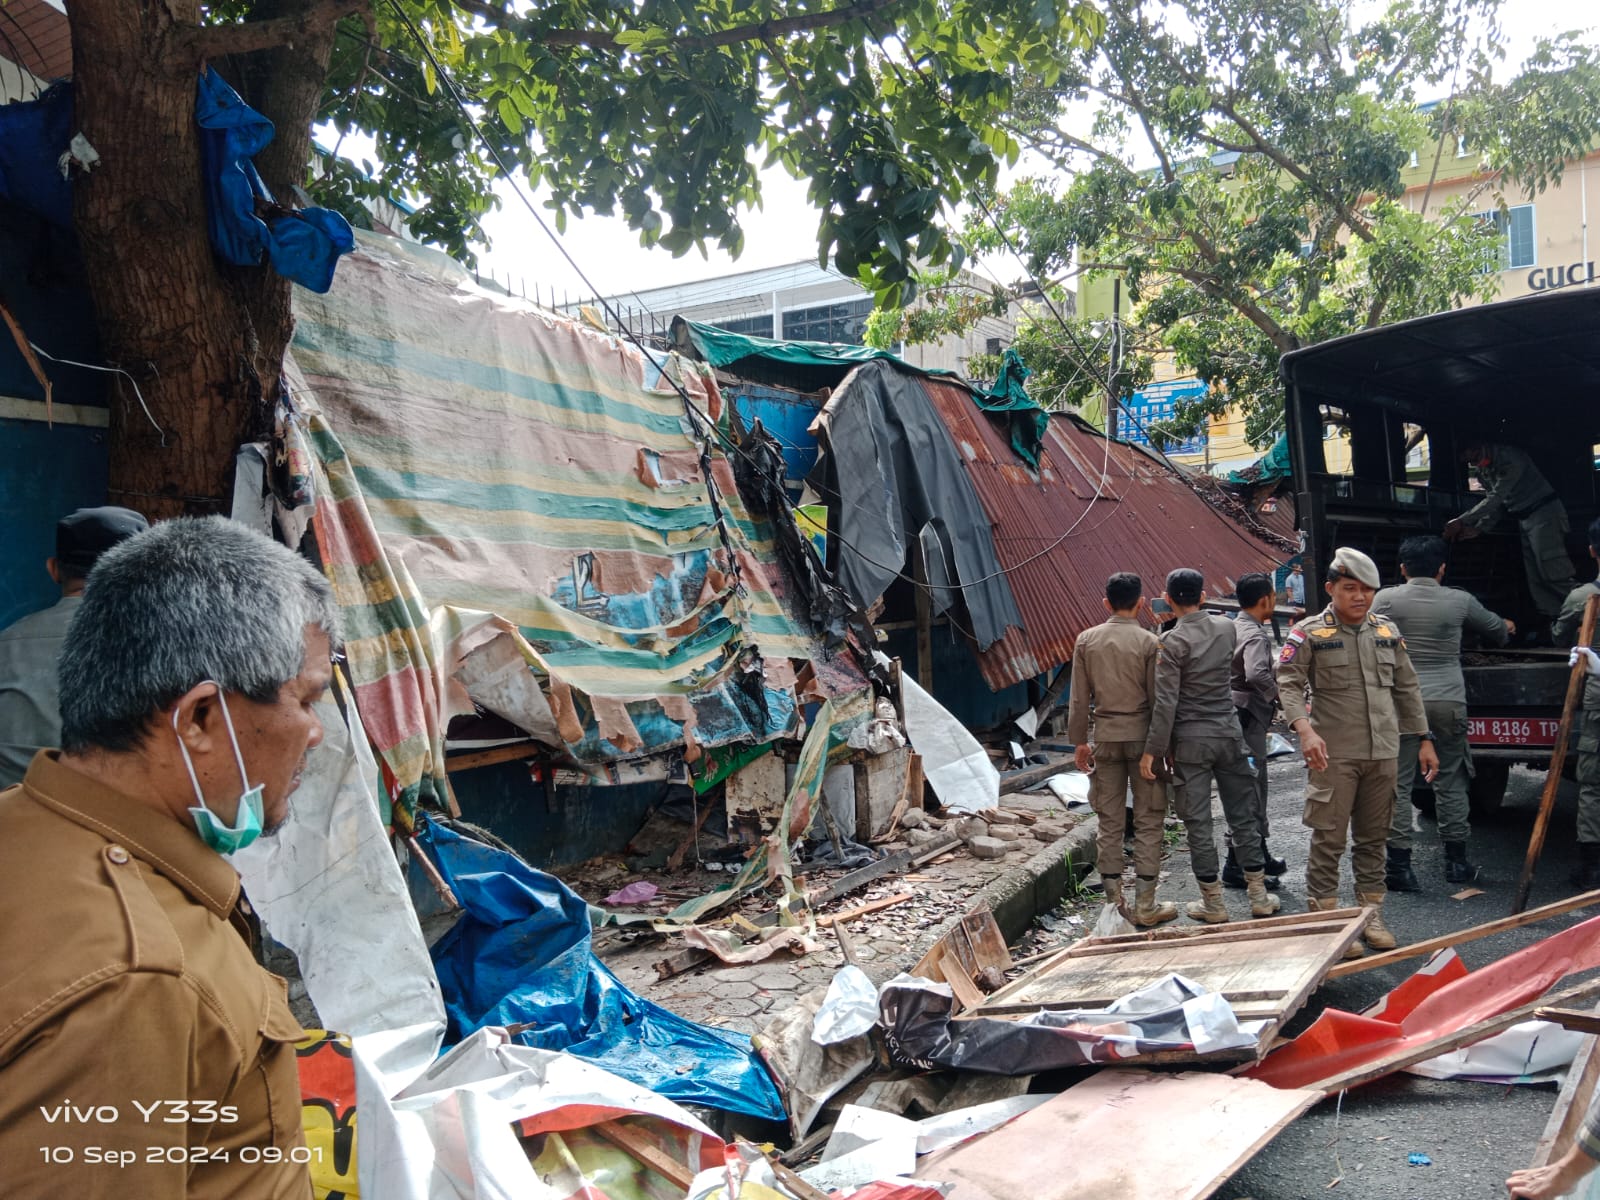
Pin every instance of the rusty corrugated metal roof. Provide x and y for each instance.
(36, 37)
(1145, 519)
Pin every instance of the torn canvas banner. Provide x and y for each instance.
(488, 470)
(1172, 1013)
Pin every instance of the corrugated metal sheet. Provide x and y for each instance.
(1143, 518)
(36, 37)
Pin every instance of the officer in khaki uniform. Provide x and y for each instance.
(1113, 678)
(1514, 487)
(1351, 665)
(1433, 618)
(1565, 633)
(128, 985)
(1193, 721)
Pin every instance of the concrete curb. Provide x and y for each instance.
(1025, 891)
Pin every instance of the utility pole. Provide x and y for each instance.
(1113, 376)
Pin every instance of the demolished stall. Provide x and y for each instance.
(980, 610)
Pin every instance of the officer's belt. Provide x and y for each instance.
(1544, 501)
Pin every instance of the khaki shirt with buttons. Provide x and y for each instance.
(1354, 682)
(1113, 680)
(127, 979)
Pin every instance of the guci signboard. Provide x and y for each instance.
(1542, 279)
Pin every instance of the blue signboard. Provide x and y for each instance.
(1159, 402)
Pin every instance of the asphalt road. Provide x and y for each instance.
(1476, 1134)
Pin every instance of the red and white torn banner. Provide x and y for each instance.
(1440, 999)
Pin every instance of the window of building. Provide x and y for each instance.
(991, 346)
(1413, 158)
(749, 326)
(1461, 145)
(844, 322)
(1514, 227)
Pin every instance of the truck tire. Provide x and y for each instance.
(1487, 791)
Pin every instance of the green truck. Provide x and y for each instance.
(1376, 423)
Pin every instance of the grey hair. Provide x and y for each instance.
(187, 600)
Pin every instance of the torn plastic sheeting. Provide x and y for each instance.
(1338, 1042)
(848, 1010)
(1069, 787)
(918, 1016)
(448, 1129)
(640, 891)
(953, 763)
(730, 947)
(521, 956)
(1528, 1052)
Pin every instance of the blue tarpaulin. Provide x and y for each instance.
(34, 134)
(302, 244)
(521, 956)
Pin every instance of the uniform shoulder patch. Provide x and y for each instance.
(1291, 645)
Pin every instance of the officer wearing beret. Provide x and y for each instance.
(1349, 691)
(30, 716)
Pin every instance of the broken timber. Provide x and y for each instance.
(1577, 1093)
(1266, 968)
(1132, 1133)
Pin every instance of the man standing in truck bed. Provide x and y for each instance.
(1514, 487)
(1432, 620)
(1565, 633)
(1352, 667)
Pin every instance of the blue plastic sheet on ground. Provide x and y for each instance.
(302, 244)
(521, 956)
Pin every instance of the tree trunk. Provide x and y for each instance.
(204, 341)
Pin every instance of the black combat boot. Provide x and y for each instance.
(1232, 876)
(1456, 867)
(1274, 866)
(1587, 876)
(1397, 873)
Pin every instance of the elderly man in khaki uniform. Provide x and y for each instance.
(1113, 679)
(128, 987)
(1349, 691)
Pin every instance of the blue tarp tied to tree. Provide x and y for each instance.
(521, 956)
(34, 134)
(302, 244)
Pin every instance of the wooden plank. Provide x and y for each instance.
(515, 752)
(1570, 1018)
(1186, 940)
(1021, 781)
(1240, 1001)
(1572, 1104)
(640, 1147)
(1488, 928)
(1132, 1133)
(966, 991)
(1433, 1047)
(1558, 758)
(861, 910)
(890, 864)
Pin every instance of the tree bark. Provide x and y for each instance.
(203, 341)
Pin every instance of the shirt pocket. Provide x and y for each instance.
(1385, 652)
(1336, 669)
(278, 1065)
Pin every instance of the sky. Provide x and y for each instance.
(783, 231)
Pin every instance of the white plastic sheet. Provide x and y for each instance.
(328, 887)
(954, 764)
(848, 1010)
(445, 1131)
(1069, 787)
(1529, 1052)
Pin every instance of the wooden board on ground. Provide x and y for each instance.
(961, 956)
(1265, 968)
(1131, 1133)
(1572, 1104)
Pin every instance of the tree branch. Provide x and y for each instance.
(206, 42)
(605, 39)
